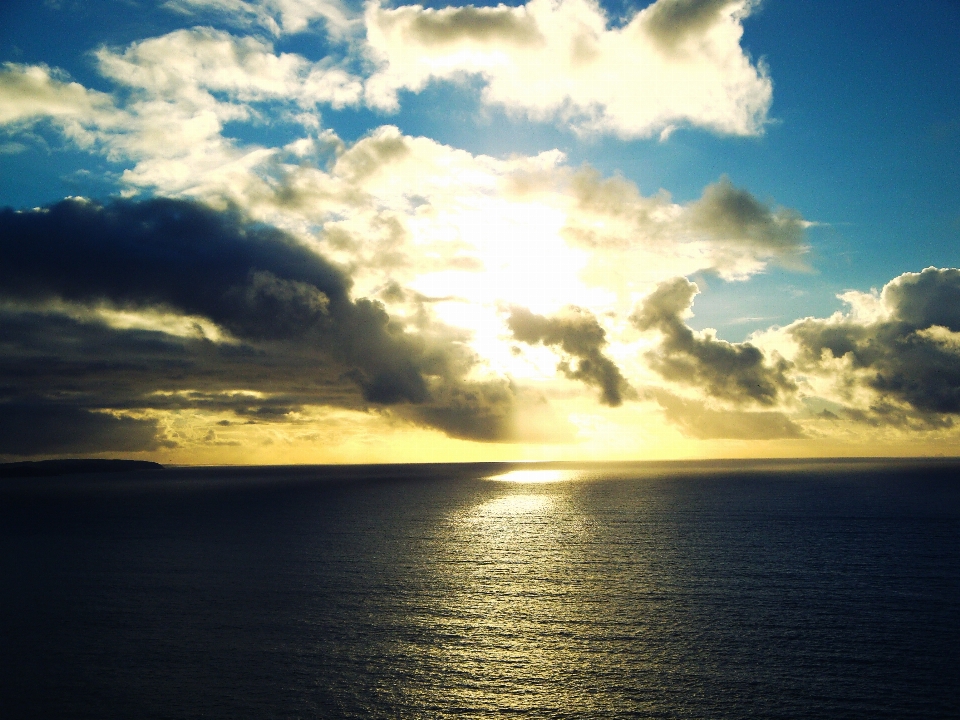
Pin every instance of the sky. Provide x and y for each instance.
(322, 231)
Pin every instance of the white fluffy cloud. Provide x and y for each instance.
(191, 64)
(550, 60)
(185, 85)
(675, 63)
(640, 241)
(177, 92)
(32, 93)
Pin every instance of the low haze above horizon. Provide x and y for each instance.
(323, 231)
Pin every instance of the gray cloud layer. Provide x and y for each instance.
(296, 333)
(736, 372)
(37, 427)
(695, 420)
(578, 334)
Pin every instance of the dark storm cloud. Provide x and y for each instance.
(168, 253)
(670, 22)
(37, 426)
(909, 356)
(737, 372)
(295, 332)
(577, 333)
(251, 280)
(697, 421)
(44, 353)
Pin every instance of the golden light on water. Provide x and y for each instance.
(503, 567)
(494, 511)
(534, 476)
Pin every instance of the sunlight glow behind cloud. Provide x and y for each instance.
(375, 275)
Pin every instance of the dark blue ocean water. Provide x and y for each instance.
(724, 590)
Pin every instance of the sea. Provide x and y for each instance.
(724, 589)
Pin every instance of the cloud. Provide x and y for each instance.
(276, 16)
(172, 254)
(436, 220)
(559, 60)
(671, 23)
(392, 211)
(482, 411)
(577, 333)
(733, 217)
(32, 93)
(726, 230)
(736, 372)
(404, 207)
(696, 420)
(389, 206)
(927, 299)
(35, 428)
(289, 326)
(175, 95)
(451, 25)
(546, 60)
(189, 65)
(255, 283)
(902, 346)
(182, 88)
(84, 359)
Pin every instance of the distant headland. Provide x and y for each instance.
(48, 468)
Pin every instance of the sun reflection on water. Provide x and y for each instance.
(512, 505)
(527, 599)
(534, 476)
(512, 596)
